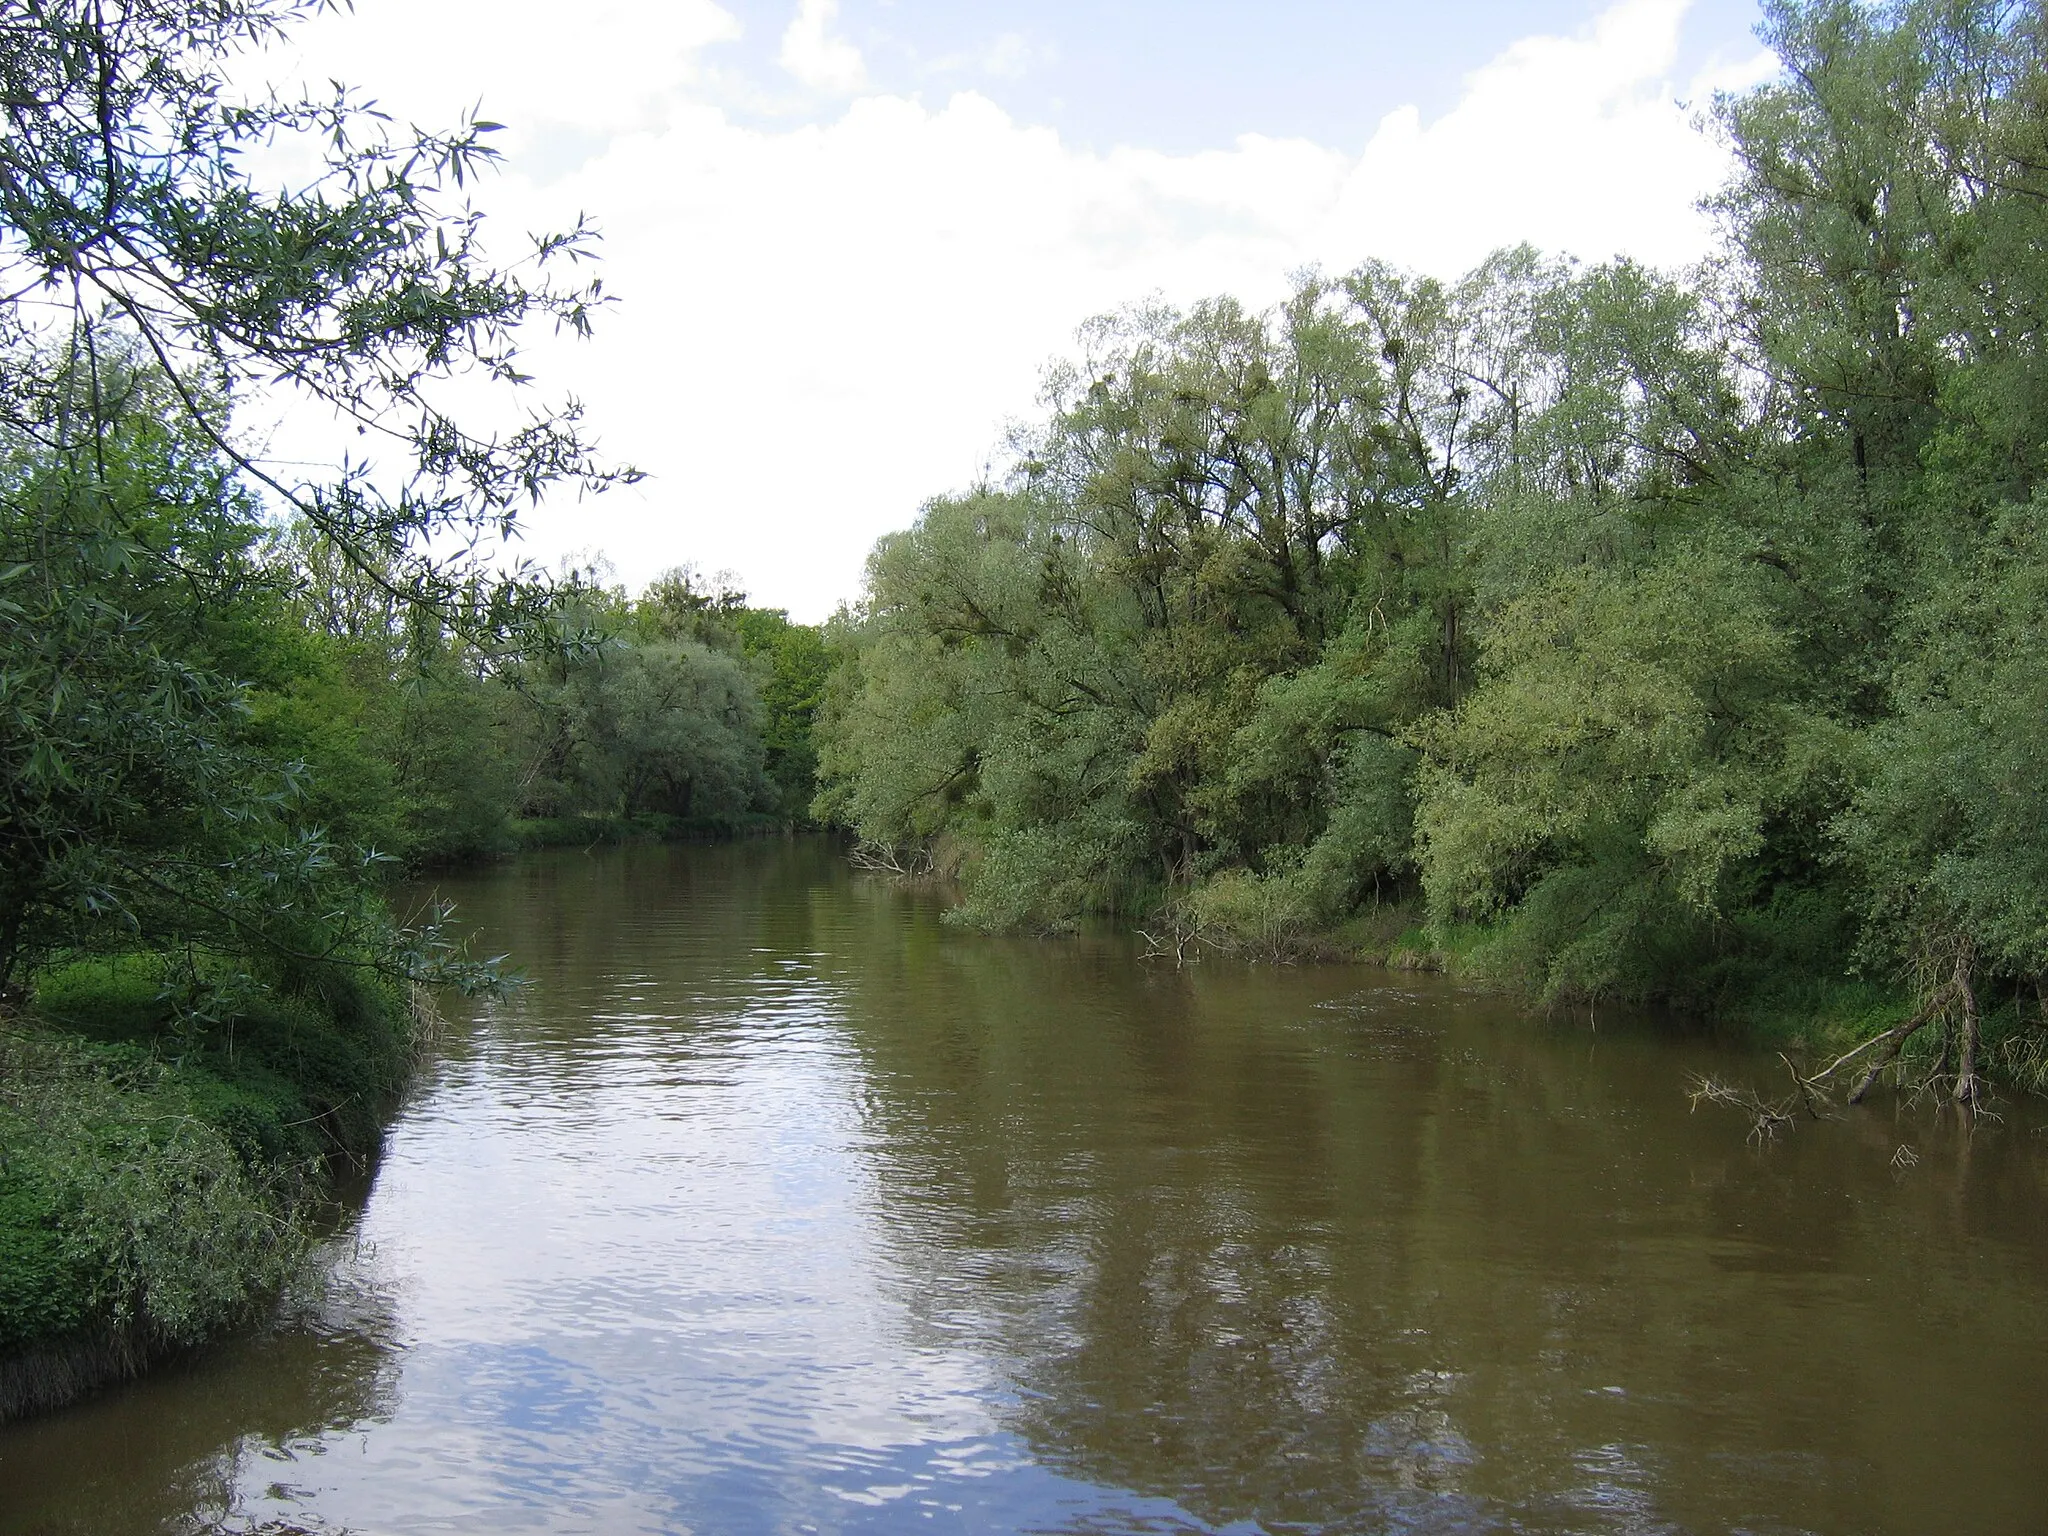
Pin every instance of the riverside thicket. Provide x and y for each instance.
(233, 702)
(1667, 637)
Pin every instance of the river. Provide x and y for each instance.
(774, 1204)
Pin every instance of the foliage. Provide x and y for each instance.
(127, 197)
(1616, 766)
(175, 768)
(679, 710)
(791, 665)
(1673, 637)
(161, 1136)
(666, 727)
(1949, 830)
(123, 1208)
(137, 635)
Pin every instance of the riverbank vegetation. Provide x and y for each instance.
(235, 702)
(1668, 638)
(602, 717)
(209, 1007)
(1619, 634)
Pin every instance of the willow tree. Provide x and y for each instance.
(1891, 214)
(150, 280)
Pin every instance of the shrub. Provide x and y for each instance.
(123, 1209)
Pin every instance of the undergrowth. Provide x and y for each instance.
(166, 1134)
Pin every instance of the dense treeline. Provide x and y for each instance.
(1663, 637)
(682, 712)
(223, 738)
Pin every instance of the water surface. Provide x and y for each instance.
(775, 1205)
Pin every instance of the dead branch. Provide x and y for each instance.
(1767, 1117)
(914, 863)
(1845, 1058)
(1805, 1086)
(1951, 1002)
(1183, 940)
(1894, 1041)
(1951, 993)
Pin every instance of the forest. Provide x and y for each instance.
(1598, 632)
(1605, 633)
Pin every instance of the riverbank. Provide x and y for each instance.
(525, 833)
(164, 1155)
(1810, 1016)
(1788, 1002)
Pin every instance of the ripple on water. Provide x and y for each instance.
(773, 1205)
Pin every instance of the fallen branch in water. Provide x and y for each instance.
(1954, 994)
(879, 859)
(1953, 1003)
(1185, 937)
(1768, 1117)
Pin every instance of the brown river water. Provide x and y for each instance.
(776, 1205)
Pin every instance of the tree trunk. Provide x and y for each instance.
(1895, 1041)
(1968, 1088)
(1955, 1004)
(10, 941)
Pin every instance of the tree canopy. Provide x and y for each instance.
(1662, 636)
(159, 783)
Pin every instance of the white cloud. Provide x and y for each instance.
(608, 71)
(1576, 144)
(1010, 56)
(822, 325)
(815, 57)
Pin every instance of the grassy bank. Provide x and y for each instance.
(160, 1163)
(1792, 1009)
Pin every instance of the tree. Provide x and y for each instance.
(126, 202)
(149, 283)
(792, 665)
(1668, 638)
(1891, 210)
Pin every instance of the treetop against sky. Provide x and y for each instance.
(846, 237)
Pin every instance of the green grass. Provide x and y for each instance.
(299, 1067)
(1424, 946)
(158, 1162)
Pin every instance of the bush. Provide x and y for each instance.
(123, 1210)
(164, 1129)
(1268, 919)
(286, 1067)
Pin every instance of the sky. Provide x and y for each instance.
(847, 236)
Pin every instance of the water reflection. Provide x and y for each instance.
(176, 1452)
(775, 1206)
